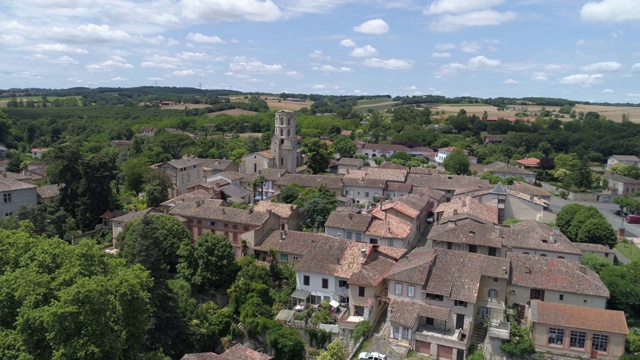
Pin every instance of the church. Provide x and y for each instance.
(284, 148)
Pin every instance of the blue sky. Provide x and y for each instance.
(583, 50)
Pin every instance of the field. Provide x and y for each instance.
(182, 106)
(232, 112)
(612, 112)
(275, 103)
(5, 99)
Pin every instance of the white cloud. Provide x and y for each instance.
(187, 72)
(441, 55)
(375, 27)
(389, 64)
(365, 51)
(88, 34)
(445, 46)
(633, 94)
(511, 82)
(213, 11)
(608, 91)
(475, 18)
(319, 86)
(157, 65)
(12, 39)
(57, 48)
(449, 69)
(66, 60)
(635, 67)
(201, 38)
(611, 11)
(161, 62)
(254, 66)
(470, 46)
(347, 43)
(585, 80)
(330, 68)
(602, 67)
(317, 54)
(155, 78)
(193, 56)
(113, 62)
(119, 78)
(539, 76)
(483, 62)
(293, 74)
(458, 6)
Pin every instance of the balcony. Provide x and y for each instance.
(499, 329)
(343, 291)
(449, 337)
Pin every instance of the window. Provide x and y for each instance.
(434, 297)
(295, 258)
(493, 293)
(411, 290)
(6, 197)
(284, 257)
(406, 333)
(7, 214)
(398, 289)
(366, 194)
(358, 237)
(373, 241)
(226, 225)
(234, 227)
(561, 297)
(600, 342)
(342, 283)
(306, 280)
(536, 294)
(495, 279)
(325, 283)
(390, 242)
(460, 303)
(578, 339)
(349, 235)
(212, 223)
(556, 336)
(361, 290)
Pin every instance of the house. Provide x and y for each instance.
(194, 195)
(597, 249)
(493, 139)
(395, 189)
(348, 225)
(389, 230)
(267, 189)
(290, 246)
(511, 204)
(168, 103)
(623, 159)
(346, 164)
(485, 239)
(569, 330)
(528, 162)
(381, 150)
(290, 216)
(184, 173)
(446, 183)
(14, 194)
(235, 194)
(147, 131)
(216, 166)
(363, 190)
(121, 143)
(437, 296)
(37, 152)
(466, 205)
(234, 224)
(231, 177)
(528, 189)
(47, 193)
(118, 223)
(236, 352)
(392, 166)
(536, 238)
(553, 280)
(37, 170)
(444, 152)
(621, 185)
(505, 171)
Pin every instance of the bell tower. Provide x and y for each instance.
(284, 146)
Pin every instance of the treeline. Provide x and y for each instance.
(499, 101)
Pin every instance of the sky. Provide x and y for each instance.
(575, 49)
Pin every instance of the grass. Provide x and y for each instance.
(373, 101)
(629, 250)
(50, 98)
(378, 107)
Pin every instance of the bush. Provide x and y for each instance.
(362, 330)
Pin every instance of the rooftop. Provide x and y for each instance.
(7, 184)
(625, 157)
(350, 162)
(406, 313)
(211, 211)
(385, 147)
(309, 180)
(350, 221)
(446, 182)
(535, 235)
(472, 233)
(468, 205)
(601, 320)
(48, 191)
(506, 168)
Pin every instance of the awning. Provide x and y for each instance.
(301, 294)
(334, 303)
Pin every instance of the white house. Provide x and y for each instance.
(15, 194)
(623, 159)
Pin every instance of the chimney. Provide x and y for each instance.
(283, 235)
(249, 210)
(464, 202)
(315, 228)
(290, 207)
(199, 203)
(455, 212)
(527, 270)
(552, 239)
(224, 211)
(498, 232)
(582, 269)
(350, 216)
(363, 253)
(339, 235)
(4, 174)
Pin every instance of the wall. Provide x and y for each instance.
(21, 197)
(517, 208)
(315, 284)
(522, 294)
(569, 257)
(541, 342)
(342, 233)
(359, 193)
(260, 162)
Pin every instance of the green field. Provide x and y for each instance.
(629, 249)
(373, 101)
(50, 98)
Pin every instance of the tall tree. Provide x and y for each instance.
(208, 264)
(457, 163)
(598, 231)
(344, 146)
(318, 156)
(156, 187)
(64, 169)
(95, 193)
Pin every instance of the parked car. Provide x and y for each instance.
(633, 219)
(371, 356)
(430, 219)
(620, 213)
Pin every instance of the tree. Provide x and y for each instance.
(582, 175)
(290, 193)
(95, 193)
(335, 351)
(598, 231)
(344, 146)
(259, 181)
(318, 156)
(286, 343)
(362, 330)
(134, 171)
(585, 214)
(208, 264)
(594, 262)
(566, 215)
(456, 163)
(156, 187)
(622, 282)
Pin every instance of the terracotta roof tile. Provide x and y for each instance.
(406, 313)
(468, 205)
(241, 352)
(323, 257)
(471, 233)
(596, 248)
(547, 273)
(506, 168)
(202, 356)
(528, 189)
(388, 226)
(307, 180)
(350, 162)
(212, 211)
(348, 221)
(282, 210)
(446, 182)
(372, 273)
(385, 147)
(529, 161)
(570, 316)
(392, 166)
(7, 184)
(48, 191)
(535, 235)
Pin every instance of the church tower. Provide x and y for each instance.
(284, 146)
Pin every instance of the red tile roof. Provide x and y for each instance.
(529, 161)
(577, 317)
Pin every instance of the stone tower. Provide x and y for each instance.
(284, 146)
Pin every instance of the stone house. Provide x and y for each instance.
(621, 185)
(184, 173)
(381, 150)
(629, 160)
(15, 194)
(505, 170)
